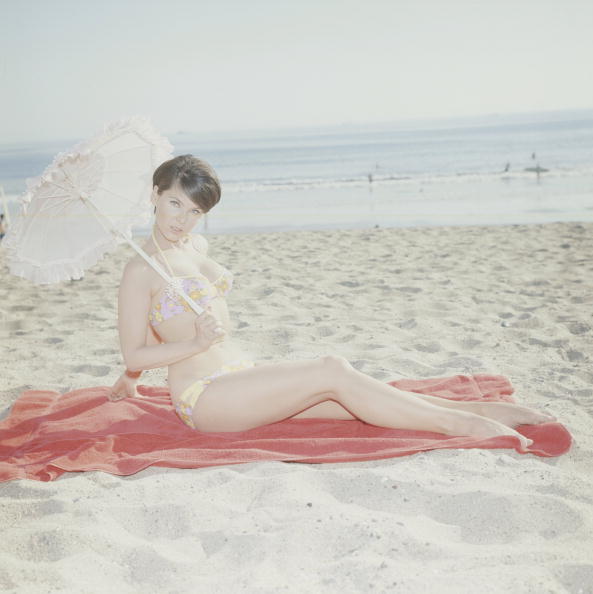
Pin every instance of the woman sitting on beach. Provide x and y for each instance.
(213, 385)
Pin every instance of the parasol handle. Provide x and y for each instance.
(108, 226)
(156, 266)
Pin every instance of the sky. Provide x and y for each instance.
(68, 67)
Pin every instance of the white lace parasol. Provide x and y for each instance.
(85, 203)
(60, 231)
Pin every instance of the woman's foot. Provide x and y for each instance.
(506, 413)
(473, 425)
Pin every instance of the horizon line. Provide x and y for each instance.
(336, 125)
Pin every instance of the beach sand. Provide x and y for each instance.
(420, 302)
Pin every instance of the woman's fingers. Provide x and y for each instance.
(208, 328)
(124, 387)
(115, 397)
(207, 322)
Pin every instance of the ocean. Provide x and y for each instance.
(462, 171)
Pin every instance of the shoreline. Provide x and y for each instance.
(405, 204)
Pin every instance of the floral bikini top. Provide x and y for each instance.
(198, 287)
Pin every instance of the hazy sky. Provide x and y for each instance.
(67, 67)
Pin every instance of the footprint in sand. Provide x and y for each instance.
(17, 491)
(21, 307)
(12, 325)
(465, 363)
(470, 343)
(101, 352)
(94, 370)
(574, 356)
(45, 546)
(213, 541)
(85, 315)
(551, 518)
(430, 347)
(575, 577)
(325, 331)
(41, 509)
(164, 521)
(140, 563)
(578, 328)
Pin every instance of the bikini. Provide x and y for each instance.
(202, 291)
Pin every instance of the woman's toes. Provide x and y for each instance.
(540, 417)
(528, 442)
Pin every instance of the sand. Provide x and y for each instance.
(515, 300)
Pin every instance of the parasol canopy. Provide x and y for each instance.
(85, 203)
(59, 232)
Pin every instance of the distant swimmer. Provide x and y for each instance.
(370, 176)
(538, 170)
(507, 167)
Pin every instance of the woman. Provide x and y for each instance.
(213, 385)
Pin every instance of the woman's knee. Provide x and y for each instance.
(336, 362)
(337, 368)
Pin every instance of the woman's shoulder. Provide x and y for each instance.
(199, 242)
(137, 269)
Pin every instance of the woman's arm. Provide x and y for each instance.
(133, 306)
(125, 386)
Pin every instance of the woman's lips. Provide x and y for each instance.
(176, 229)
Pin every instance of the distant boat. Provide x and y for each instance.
(537, 169)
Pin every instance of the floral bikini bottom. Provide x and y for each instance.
(187, 401)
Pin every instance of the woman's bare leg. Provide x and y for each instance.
(507, 413)
(264, 394)
(504, 412)
(330, 409)
(270, 393)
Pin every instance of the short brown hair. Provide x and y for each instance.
(196, 178)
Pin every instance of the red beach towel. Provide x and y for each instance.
(47, 434)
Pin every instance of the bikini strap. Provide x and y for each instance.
(158, 247)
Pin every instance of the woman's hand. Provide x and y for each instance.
(208, 330)
(125, 386)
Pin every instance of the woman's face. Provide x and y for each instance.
(176, 214)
